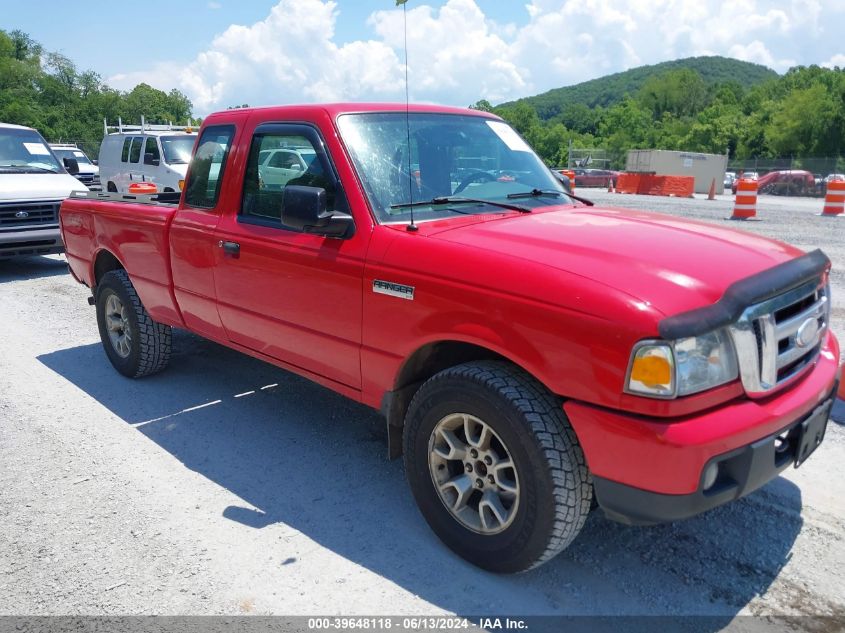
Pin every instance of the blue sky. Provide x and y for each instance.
(69, 28)
(224, 53)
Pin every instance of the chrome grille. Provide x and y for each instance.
(88, 179)
(21, 214)
(777, 339)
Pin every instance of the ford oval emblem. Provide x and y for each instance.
(22, 214)
(808, 333)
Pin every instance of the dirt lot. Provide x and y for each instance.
(225, 485)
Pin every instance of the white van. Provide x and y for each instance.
(33, 183)
(145, 153)
(89, 173)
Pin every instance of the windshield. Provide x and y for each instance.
(177, 149)
(451, 155)
(79, 155)
(24, 151)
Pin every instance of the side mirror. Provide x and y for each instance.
(72, 166)
(563, 179)
(149, 159)
(96, 161)
(305, 209)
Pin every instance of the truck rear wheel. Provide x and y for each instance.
(495, 466)
(135, 344)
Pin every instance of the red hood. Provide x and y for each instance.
(671, 263)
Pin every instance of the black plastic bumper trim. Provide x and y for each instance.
(743, 293)
(742, 471)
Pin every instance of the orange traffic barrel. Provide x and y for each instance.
(571, 175)
(745, 204)
(143, 187)
(834, 199)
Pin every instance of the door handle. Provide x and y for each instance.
(230, 248)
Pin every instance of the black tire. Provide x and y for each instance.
(111, 187)
(555, 489)
(149, 348)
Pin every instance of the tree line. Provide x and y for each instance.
(798, 114)
(48, 92)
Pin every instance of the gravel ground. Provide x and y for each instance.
(227, 486)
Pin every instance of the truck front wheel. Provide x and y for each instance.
(134, 343)
(495, 466)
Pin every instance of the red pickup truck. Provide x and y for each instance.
(534, 355)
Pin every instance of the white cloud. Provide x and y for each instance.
(835, 61)
(214, 5)
(163, 75)
(457, 55)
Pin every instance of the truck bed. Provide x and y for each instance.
(169, 199)
(134, 228)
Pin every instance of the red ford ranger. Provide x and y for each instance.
(532, 354)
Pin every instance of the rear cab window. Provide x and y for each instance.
(208, 165)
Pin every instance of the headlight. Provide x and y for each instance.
(666, 369)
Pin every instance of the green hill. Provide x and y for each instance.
(608, 90)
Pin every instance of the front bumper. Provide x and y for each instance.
(740, 472)
(41, 241)
(648, 471)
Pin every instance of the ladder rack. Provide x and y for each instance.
(146, 127)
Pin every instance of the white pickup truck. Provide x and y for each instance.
(33, 184)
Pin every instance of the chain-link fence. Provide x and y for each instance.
(820, 167)
(589, 158)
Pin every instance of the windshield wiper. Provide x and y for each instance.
(457, 199)
(589, 203)
(535, 193)
(26, 168)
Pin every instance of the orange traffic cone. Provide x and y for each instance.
(834, 199)
(745, 204)
(610, 187)
(712, 194)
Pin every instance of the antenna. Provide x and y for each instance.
(411, 227)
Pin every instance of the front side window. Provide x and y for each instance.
(24, 151)
(449, 156)
(207, 166)
(135, 149)
(278, 159)
(151, 150)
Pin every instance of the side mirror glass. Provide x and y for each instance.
(305, 209)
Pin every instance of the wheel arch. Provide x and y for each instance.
(422, 364)
(104, 261)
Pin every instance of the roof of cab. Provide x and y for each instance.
(336, 109)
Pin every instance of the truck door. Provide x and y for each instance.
(136, 166)
(292, 296)
(193, 245)
(152, 161)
